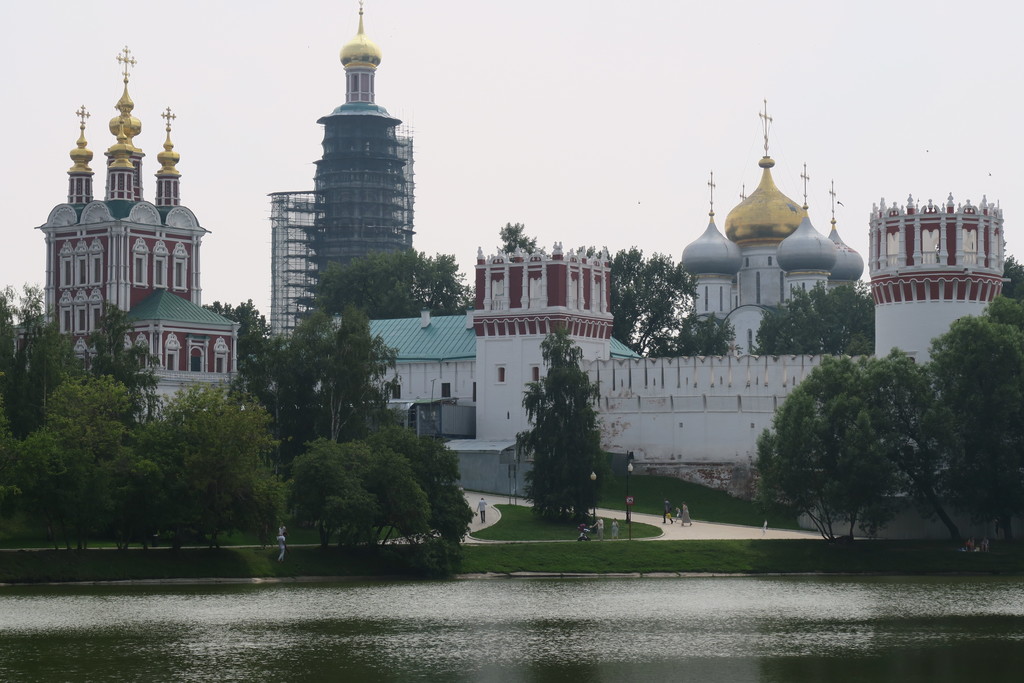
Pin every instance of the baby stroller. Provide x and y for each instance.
(584, 530)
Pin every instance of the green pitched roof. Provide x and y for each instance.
(162, 305)
(445, 338)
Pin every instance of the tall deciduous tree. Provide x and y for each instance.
(34, 358)
(979, 373)
(1013, 271)
(564, 441)
(708, 336)
(395, 285)
(513, 236)
(212, 448)
(822, 455)
(821, 321)
(650, 299)
(128, 363)
(66, 469)
(914, 429)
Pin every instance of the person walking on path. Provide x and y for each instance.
(615, 529)
(667, 512)
(482, 509)
(599, 528)
(282, 544)
(684, 517)
(764, 529)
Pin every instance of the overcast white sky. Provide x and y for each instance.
(591, 121)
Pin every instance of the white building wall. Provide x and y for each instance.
(912, 326)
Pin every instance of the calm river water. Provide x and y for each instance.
(683, 629)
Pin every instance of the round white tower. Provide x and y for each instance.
(929, 266)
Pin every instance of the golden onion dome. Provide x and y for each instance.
(124, 121)
(361, 51)
(81, 155)
(168, 158)
(767, 215)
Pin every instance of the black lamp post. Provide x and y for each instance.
(629, 504)
(593, 493)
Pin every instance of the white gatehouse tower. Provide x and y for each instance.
(929, 266)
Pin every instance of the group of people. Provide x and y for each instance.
(597, 528)
(682, 515)
(971, 547)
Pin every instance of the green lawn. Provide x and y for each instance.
(706, 504)
(518, 523)
(756, 557)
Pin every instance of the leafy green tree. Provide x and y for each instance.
(914, 429)
(211, 447)
(34, 358)
(822, 455)
(513, 236)
(650, 299)
(395, 285)
(1013, 271)
(7, 457)
(131, 364)
(327, 490)
(564, 441)
(436, 469)
(66, 469)
(978, 368)
(708, 336)
(821, 321)
(345, 368)
(253, 333)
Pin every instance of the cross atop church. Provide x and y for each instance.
(743, 192)
(82, 115)
(832, 191)
(125, 58)
(711, 184)
(805, 179)
(766, 122)
(168, 117)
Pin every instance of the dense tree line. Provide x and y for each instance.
(91, 453)
(834, 321)
(855, 437)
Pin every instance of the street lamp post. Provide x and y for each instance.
(593, 493)
(629, 502)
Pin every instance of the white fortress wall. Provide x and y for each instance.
(699, 409)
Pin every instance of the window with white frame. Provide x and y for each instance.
(83, 272)
(220, 360)
(140, 263)
(180, 267)
(159, 271)
(67, 272)
(96, 266)
(171, 348)
(160, 265)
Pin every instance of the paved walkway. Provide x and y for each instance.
(670, 532)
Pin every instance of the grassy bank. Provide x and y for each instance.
(758, 556)
(40, 566)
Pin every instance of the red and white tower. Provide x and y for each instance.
(141, 257)
(520, 299)
(929, 266)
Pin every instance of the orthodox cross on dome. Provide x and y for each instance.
(711, 184)
(832, 191)
(805, 179)
(743, 192)
(82, 115)
(766, 122)
(168, 117)
(125, 58)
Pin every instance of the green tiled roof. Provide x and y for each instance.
(445, 338)
(162, 305)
